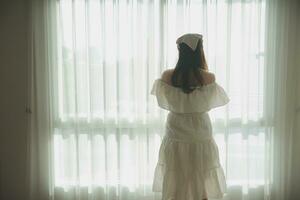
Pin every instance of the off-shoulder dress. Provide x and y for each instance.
(188, 166)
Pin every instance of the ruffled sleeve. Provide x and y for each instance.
(201, 99)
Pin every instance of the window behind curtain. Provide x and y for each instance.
(107, 126)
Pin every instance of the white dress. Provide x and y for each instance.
(188, 166)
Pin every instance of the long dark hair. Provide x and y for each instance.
(187, 68)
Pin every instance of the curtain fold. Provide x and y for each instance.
(40, 101)
(282, 64)
(95, 130)
(295, 178)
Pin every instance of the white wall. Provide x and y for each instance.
(13, 67)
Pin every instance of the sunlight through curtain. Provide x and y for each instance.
(107, 128)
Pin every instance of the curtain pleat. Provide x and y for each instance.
(96, 130)
(137, 43)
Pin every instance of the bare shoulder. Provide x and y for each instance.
(208, 77)
(166, 75)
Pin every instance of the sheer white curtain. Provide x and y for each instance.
(96, 130)
(283, 64)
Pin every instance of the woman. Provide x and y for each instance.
(188, 167)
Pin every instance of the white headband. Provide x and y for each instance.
(190, 39)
